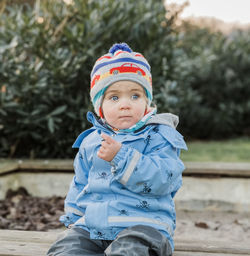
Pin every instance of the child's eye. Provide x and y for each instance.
(135, 96)
(114, 98)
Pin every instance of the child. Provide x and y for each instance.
(127, 169)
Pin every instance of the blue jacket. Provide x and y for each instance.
(136, 187)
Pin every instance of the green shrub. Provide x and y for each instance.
(46, 56)
(209, 84)
(48, 48)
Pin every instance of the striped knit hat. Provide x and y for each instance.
(121, 63)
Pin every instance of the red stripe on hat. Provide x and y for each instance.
(95, 79)
(119, 52)
(104, 57)
(139, 55)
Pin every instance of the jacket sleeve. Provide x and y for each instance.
(72, 211)
(156, 172)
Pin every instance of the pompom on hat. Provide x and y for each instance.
(120, 63)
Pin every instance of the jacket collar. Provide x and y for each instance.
(100, 125)
(165, 119)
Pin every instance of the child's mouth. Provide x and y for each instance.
(124, 117)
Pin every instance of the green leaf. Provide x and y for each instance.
(51, 125)
(58, 110)
(12, 44)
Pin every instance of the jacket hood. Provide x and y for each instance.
(92, 118)
(165, 118)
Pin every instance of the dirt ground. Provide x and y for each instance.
(213, 225)
(21, 211)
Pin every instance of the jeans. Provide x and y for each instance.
(138, 240)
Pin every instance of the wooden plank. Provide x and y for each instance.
(186, 253)
(212, 246)
(53, 164)
(26, 243)
(38, 249)
(21, 243)
(23, 248)
(30, 236)
(217, 168)
(192, 168)
(8, 166)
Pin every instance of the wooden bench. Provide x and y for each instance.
(34, 243)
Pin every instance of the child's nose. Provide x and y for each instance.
(124, 104)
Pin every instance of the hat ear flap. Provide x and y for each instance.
(100, 113)
(147, 110)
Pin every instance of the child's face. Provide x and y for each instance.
(124, 104)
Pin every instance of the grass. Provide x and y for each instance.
(233, 150)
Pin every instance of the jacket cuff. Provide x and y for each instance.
(69, 218)
(119, 156)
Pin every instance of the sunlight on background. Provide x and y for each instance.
(226, 10)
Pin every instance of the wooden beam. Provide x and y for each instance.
(55, 165)
(218, 168)
(8, 166)
(52, 164)
(211, 246)
(179, 253)
(30, 243)
(192, 168)
(23, 248)
(30, 236)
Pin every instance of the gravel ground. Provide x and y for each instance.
(21, 211)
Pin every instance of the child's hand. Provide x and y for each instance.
(109, 148)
